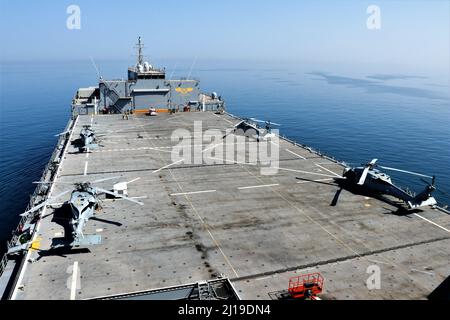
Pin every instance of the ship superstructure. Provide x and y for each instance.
(146, 87)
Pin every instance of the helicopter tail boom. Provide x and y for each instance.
(425, 198)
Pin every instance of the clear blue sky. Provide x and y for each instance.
(413, 32)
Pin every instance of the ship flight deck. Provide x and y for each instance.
(203, 221)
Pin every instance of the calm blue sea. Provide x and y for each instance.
(400, 117)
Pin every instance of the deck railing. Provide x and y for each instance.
(49, 168)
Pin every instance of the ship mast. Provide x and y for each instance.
(140, 46)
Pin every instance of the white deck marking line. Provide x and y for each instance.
(216, 243)
(73, 285)
(259, 186)
(38, 226)
(212, 147)
(171, 147)
(218, 144)
(113, 137)
(134, 180)
(136, 138)
(232, 161)
(104, 200)
(118, 199)
(337, 175)
(301, 157)
(223, 119)
(134, 149)
(425, 272)
(306, 172)
(307, 216)
(194, 192)
(85, 168)
(169, 165)
(99, 230)
(433, 223)
(318, 180)
(286, 169)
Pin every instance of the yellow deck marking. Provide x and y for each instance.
(36, 244)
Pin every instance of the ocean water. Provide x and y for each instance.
(401, 118)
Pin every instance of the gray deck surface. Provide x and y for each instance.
(258, 237)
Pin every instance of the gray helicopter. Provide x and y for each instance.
(83, 202)
(251, 128)
(88, 139)
(372, 179)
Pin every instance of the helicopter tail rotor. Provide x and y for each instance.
(432, 186)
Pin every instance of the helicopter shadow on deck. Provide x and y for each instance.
(62, 246)
(343, 184)
(77, 143)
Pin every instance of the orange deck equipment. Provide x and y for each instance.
(306, 286)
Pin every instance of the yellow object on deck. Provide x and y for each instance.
(36, 244)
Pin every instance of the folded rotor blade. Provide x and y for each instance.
(363, 176)
(119, 196)
(62, 133)
(106, 179)
(408, 172)
(51, 182)
(134, 180)
(267, 122)
(45, 203)
(239, 123)
(313, 173)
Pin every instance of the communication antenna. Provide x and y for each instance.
(192, 66)
(95, 66)
(140, 46)
(173, 71)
